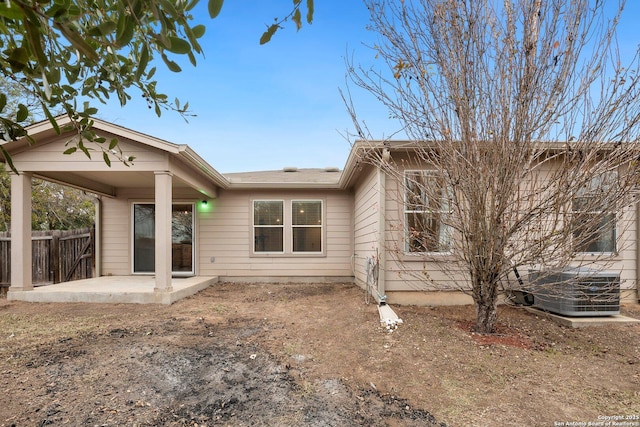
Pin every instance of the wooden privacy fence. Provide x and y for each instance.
(57, 256)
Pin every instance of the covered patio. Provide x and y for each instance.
(140, 257)
(115, 289)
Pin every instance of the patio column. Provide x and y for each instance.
(21, 258)
(163, 210)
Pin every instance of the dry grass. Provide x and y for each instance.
(324, 334)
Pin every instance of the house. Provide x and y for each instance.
(170, 214)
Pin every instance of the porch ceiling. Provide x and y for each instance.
(108, 183)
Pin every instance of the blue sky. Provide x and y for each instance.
(264, 107)
(267, 107)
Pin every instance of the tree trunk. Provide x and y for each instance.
(485, 297)
(486, 315)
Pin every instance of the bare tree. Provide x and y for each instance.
(527, 125)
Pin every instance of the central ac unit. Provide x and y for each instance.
(576, 291)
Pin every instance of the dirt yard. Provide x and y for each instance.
(307, 355)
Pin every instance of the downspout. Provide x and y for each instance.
(382, 252)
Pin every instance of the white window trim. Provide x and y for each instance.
(254, 226)
(287, 248)
(616, 235)
(321, 226)
(616, 220)
(405, 211)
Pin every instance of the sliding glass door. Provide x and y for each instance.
(182, 221)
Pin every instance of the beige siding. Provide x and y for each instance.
(407, 273)
(398, 272)
(116, 228)
(367, 217)
(413, 272)
(625, 262)
(628, 265)
(50, 157)
(352, 233)
(115, 233)
(225, 233)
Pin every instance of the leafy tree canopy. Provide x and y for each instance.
(62, 50)
(55, 207)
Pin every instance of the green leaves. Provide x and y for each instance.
(18, 58)
(295, 15)
(23, 113)
(143, 61)
(34, 39)
(198, 31)
(179, 46)
(214, 8)
(171, 65)
(297, 18)
(266, 36)
(103, 29)
(310, 11)
(125, 29)
(77, 40)
(11, 13)
(59, 50)
(62, 49)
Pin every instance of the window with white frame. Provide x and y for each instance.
(306, 225)
(594, 222)
(426, 212)
(268, 226)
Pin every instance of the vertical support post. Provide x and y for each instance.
(97, 239)
(21, 251)
(163, 199)
(55, 261)
(92, 247)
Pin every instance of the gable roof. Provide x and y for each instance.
(194, 171)
(287, 178)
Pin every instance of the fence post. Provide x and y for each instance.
(5, 262)
(54, 252)
(92, 237)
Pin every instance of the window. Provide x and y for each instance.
(426, 211)
(306, 225)
(594, 222)
(268, 226)
(286, 227)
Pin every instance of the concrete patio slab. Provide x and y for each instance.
(582, 322)
(114, 289)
